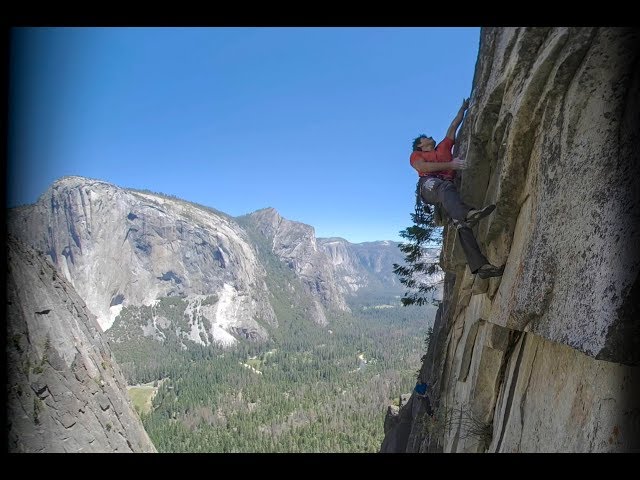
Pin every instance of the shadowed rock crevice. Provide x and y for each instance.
(468, 352)
(512, 386)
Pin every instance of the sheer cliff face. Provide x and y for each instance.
(553, 137)
(119, 247)
(65, 392)
(295, 244)
(544, 358)
(123, 248)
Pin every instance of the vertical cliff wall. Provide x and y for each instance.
(65, 393)
(544, 358)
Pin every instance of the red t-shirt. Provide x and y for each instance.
(442, 153)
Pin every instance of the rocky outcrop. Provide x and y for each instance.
(65, 392)
(346, 264)
(295, 244)
(120, 248)
(546, 357)
(124, 249)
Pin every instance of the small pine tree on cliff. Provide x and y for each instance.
(421, 234)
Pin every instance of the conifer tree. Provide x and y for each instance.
(421, 234)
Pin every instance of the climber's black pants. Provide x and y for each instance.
(443, 192)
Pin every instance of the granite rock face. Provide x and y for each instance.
(65, 392)
(129, 249)
(546, 357)
(295, 243)
(332, 270)
(121, 247)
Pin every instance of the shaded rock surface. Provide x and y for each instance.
(65, 392)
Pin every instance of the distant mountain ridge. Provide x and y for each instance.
(124, 248)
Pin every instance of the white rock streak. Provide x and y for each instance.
(225, 316)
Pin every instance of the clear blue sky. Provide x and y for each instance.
(315, 122)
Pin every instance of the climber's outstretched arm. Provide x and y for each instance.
(451, 132)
